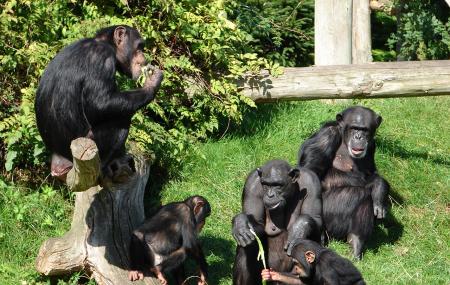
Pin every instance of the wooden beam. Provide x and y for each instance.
(371, 80)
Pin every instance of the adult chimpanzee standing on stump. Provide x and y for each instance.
(78, 97)
(342, 154)
(280, 204)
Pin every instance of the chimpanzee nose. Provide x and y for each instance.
(270, 194)
(358, 136)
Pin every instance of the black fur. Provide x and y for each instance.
(328, 267)
(78, 97)
(280, 204)
(173, 234)
(342, 154)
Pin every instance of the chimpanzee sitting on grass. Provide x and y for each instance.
(342, 154)
(78, 97)
(316, 265)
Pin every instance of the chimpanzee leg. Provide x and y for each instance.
(379, 190)
(116, 164)
(361, 227)
(246, 269)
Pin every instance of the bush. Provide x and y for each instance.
(281, 31)
(201, 51)
(422, 30)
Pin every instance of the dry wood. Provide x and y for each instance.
(361, 33)
(372, 80)
(102, 222)
(333, 32)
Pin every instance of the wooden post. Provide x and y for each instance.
(361, 35)
(333, 32)
(102, 223)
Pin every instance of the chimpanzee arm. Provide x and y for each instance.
(102, 98)
(308, 224)
(193, 247)
(379, 190)
(253, 215)
(318, 151)
(138, 251)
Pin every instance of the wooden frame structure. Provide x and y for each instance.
(343, 63)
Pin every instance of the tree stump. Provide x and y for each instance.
(102, 222)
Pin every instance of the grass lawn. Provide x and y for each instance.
(412, 246)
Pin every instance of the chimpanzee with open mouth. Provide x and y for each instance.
(342, 154)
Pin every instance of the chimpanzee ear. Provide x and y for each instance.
(378, 120)
(198, 207)
(339, 117)
(259, 171)
(294, 173)
(310, 256)
(119, 35)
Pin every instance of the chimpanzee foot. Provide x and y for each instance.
(120, 169)
(134, 275)
(60, 166)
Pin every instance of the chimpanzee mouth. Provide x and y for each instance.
(358, 152)
(275, 206)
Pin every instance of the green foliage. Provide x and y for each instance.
(281, 31)
(202, 53)
(423, 30)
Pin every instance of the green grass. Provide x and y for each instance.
(411, 247)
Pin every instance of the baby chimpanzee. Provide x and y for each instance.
(162, 243)
(316, 265)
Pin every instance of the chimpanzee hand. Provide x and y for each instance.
(241, 230)
(303, 228)
(153, 76)
(379, 210)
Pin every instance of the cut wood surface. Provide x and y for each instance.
(371, 80)
(102, 223)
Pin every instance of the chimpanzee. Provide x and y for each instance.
(342, 154)
(78, 97)
(280, 204)
(316, 265)
(162, 243)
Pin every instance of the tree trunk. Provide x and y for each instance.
(371, 80)
(332, 32)
(102, 222)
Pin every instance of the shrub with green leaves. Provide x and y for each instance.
(281, 31)
(423, 30)
(201, 51)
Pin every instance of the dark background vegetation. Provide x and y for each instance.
(200, 126)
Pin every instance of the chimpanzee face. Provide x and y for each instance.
(359, 125)
(277, 179)
(129, 51)
(303, 260)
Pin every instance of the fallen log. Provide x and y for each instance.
(370, 80)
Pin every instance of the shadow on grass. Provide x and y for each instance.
(253, 122)
(395, 147)
(392, 232)
(225, 251)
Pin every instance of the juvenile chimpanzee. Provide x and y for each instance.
(162, 243)
(342, 154)
(78, 97)
(280, 204)
(316, 265)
